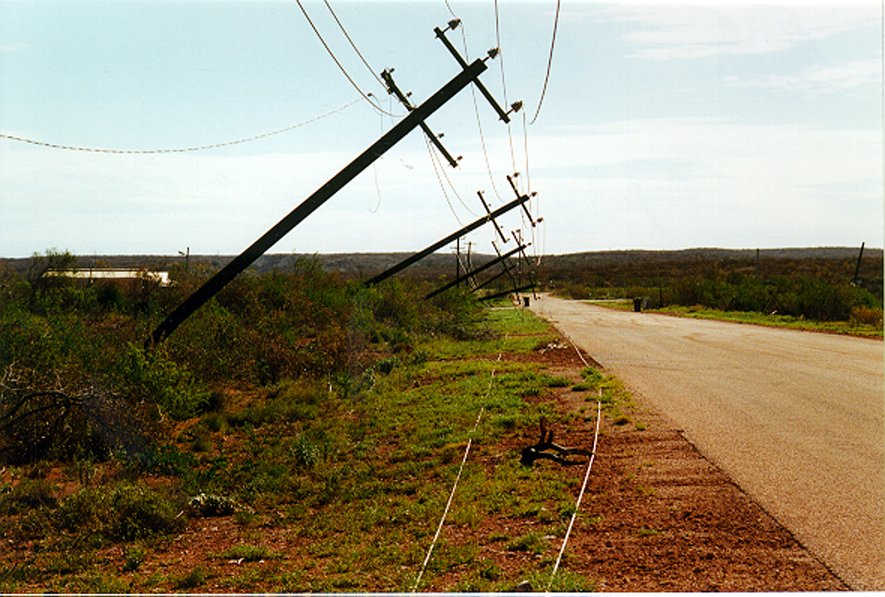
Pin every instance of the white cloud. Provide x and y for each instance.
(670, 32)
(817, 79)
(690, 182)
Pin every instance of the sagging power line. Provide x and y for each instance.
(227, 274)
(415, 118)
(190, 149)
(549, 62)
(366, 95)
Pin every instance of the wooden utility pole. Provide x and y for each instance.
(441, 243)
(230, 271)
(474, 272)
(857, 267)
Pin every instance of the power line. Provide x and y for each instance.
(177, 149)
(482, 139)
(436, 168)
(528, 186)
(549, 62)
(503, 80)
(338, 62)
(449, 181)
(353, 45)
(581, 494)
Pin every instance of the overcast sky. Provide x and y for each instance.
(664, 126)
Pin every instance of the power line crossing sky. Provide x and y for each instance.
(663, 126)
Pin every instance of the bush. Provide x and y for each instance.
(128, 513)
(867, 316)
(807, 297)
(139, 512)
(149, 376)
(61, 424)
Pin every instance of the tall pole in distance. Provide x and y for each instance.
(857, 267)
(439, 244)
(230, 271)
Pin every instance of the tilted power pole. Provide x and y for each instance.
(474, 272)
(230, 271)
(441, 243)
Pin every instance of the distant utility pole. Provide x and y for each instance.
(230, 271)
(442, 243)
(187, 259)
(857, 267)
(473, 273)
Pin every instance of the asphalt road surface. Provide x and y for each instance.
(794, 418)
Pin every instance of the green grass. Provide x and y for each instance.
(361, 478)
(769, 320)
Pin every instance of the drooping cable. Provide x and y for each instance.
(482, 139)
(375, 175)
(503, 80)
(536, 234)
(175, 149)
(436, 169)
(549, 62)
(353, 45)
(338, 62)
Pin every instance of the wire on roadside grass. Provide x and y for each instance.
(586, 475)
(580, 495)
(457, 479)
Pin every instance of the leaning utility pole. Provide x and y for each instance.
(856, 280)
(230, 271)
(443, 242)
(474, 272)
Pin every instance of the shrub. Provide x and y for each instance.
(138, 512)
(63, 424)
(27, 495)
(867, 316)
(152, 377)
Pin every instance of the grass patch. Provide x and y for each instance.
(857, 326)
(358, 469)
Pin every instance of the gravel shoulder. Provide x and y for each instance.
(793, 418)
(659, 516)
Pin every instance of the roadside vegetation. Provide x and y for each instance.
(299, 433)
(813, 294)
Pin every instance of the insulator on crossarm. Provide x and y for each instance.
(493, 53)
(453, 24)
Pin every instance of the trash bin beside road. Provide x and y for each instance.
(638, 303)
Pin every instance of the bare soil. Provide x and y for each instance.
(656, 516)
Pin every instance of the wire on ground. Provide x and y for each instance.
(580, 495)
(455, 485)
(571, 523)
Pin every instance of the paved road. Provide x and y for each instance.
(795, 418)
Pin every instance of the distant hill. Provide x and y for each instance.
(598, 268)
